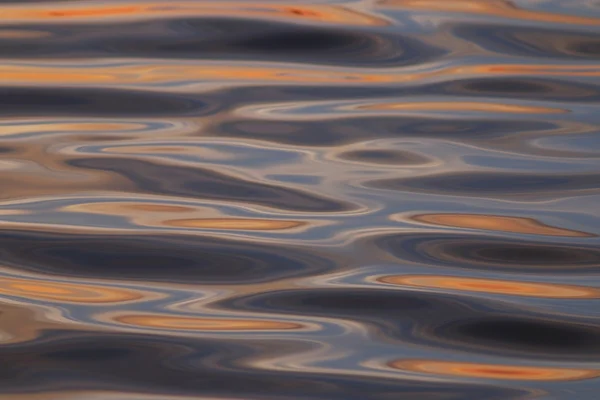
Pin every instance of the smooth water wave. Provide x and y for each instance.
(375, 199)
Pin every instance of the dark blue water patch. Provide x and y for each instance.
(97, 102)
(7, 150)
(224, 38)
(200, 367)
(522, 88)
(299, 96)
(486, 252)
(496, 184)
(533, 43)
(296, 179)
(202, 183)
(518, 336)
(354, 129)
(384, 157)
(157, 258)
(465, 323)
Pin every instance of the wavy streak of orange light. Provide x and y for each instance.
(498, 223)
(494, 371)
(66, 292)
(203, 323)
(252, 224)
(92, 11)
(493, 286)
(464, 106)
(153, 74)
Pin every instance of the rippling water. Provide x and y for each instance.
(320, 199)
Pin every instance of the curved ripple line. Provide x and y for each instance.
(495, 371)
(493, 286)
(345, 200)
(92, 12)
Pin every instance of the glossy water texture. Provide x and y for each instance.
(320, 199)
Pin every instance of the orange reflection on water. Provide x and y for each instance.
(25, 323)
(35, 126)
(513, 288)
(148, 74)
(157, 74)
(22, 34)
(28, 180)
(492, 8)
(465, 106)
(150, 207)
(493, 371)
(65, 292)
(132, 208)
(91, 11)
(203, 324)
(538, 69)
(253, 224)
(498, 223)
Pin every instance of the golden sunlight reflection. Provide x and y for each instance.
(284, 199)
(493, 286)
(159, 321)
(497, 223)
(494, 371)
(464, 106)
(253, 224)
(66, 292)
(92, 11)
(155, 73)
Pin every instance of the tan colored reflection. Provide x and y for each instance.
(160, 208)
(118, 208)
(35, 180)
(65, 292)
(498, 223)
(15, 212)
(24, 323)
(493, 371)
(235, 223)
(41, 127)
(90, 11)
(36, 171)
(160, 215)
(537, 69)
(22, 34)
(197, 151)
(156, 74)
(203, 324)
(464, 106)
(492, 8)
(513, 288)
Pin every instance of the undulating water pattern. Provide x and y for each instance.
(320, 199)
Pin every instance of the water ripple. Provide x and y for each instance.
(370, 200)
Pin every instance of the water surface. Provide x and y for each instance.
(328, 199)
